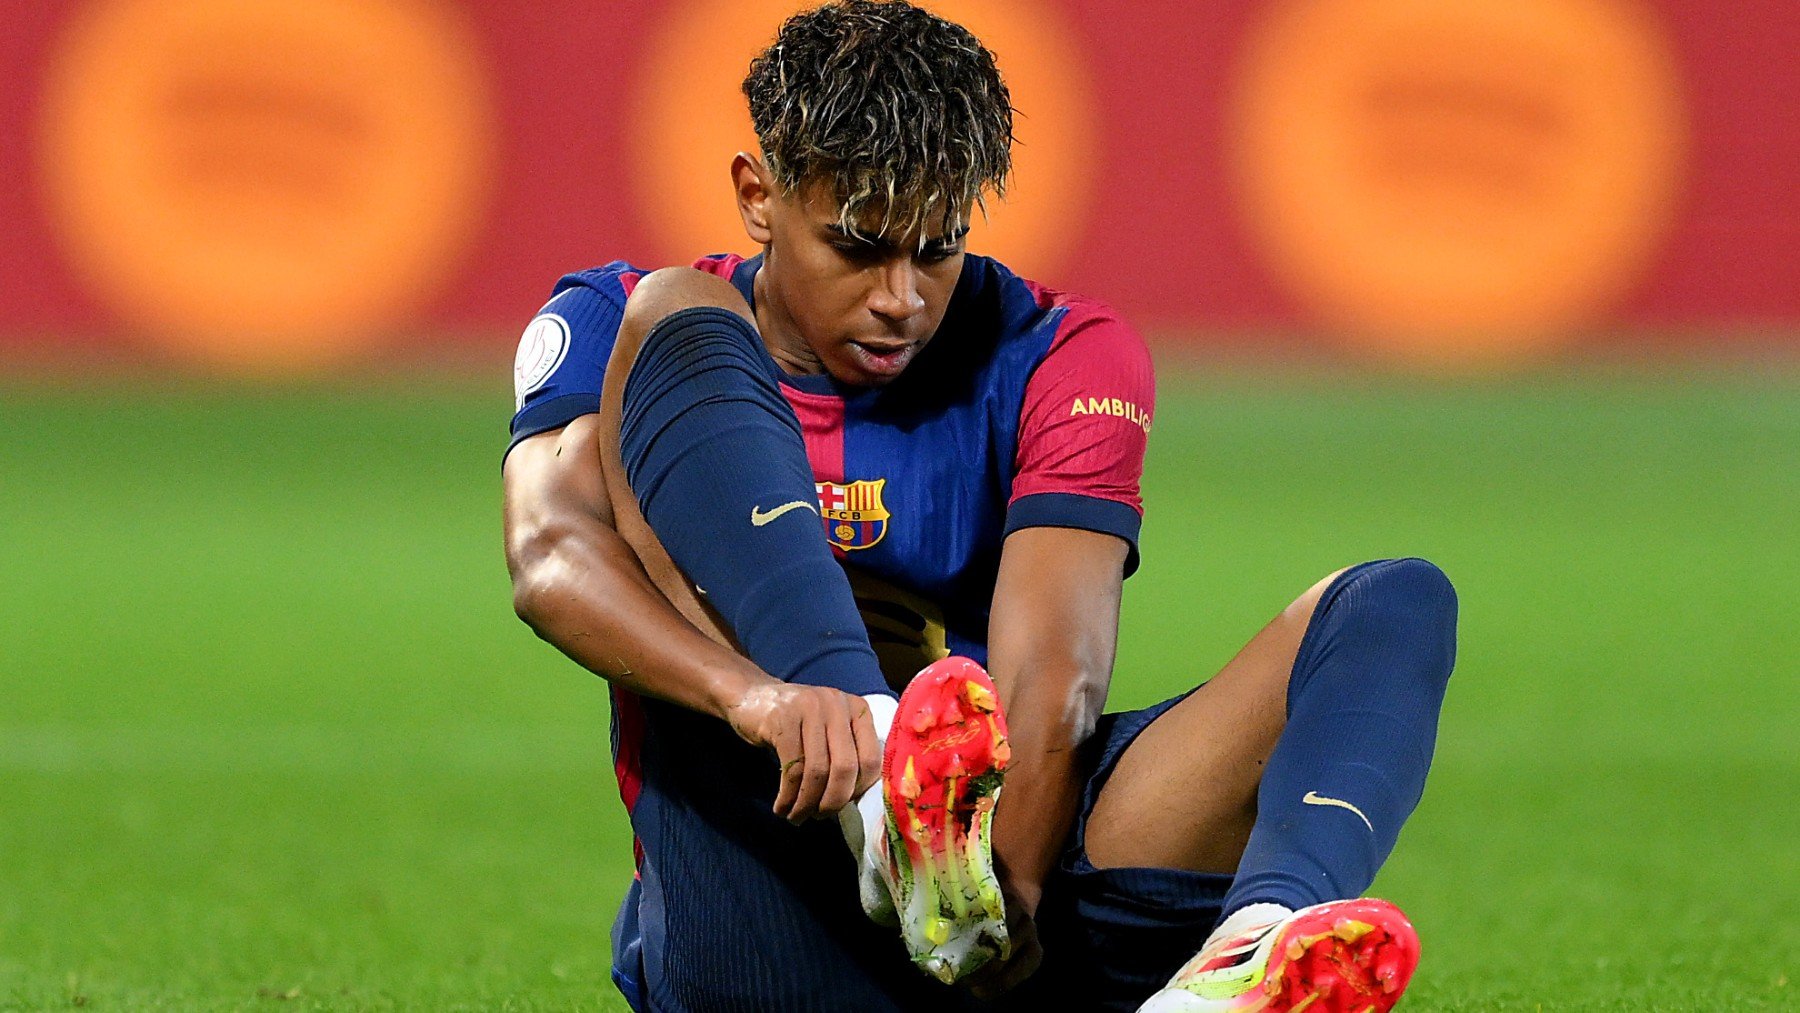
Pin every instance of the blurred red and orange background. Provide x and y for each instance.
(267, 187)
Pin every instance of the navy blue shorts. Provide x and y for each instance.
(1111, 937)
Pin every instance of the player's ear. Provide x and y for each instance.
(754, 193)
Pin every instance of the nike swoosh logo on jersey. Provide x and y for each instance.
(759, 518)
(1314, 798)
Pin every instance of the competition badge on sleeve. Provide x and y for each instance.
(854, 515)
(542, 349)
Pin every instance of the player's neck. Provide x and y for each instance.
(780, 336)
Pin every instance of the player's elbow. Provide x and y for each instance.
(1070, 676)
(529, 596)
(1082, 697)
(672, 289)
(1086, 701)
(541, 576)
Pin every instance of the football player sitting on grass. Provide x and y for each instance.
(791, 506)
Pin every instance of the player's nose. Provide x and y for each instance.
(896, 294)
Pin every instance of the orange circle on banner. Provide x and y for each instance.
(262, 185)
(1458, 181)
(691, 118)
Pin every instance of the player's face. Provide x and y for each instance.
(851, 303)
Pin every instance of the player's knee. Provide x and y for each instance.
(1424, 584)
(1413, 597)
(680, 323)
(698, 359)
(661, 294)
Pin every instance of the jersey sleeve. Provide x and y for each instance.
(562, 354)
(1083, 429)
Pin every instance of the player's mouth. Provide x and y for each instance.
(881, 359)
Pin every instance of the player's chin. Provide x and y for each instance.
(865, 365)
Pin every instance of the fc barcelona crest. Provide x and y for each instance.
(854, 515)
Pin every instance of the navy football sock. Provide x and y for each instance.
(1350, 767)
(715, 457)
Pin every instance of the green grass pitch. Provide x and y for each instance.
(270, 737)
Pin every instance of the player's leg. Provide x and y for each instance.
(1338, 697)
(1118, 917)
(1208, 752)
(1295, 766)
(711, 457)
(711, 467)
(732, 903)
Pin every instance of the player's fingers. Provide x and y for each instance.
(868, 747)
(1027, 954)
(985, 982)
(981, 984)
(1003, 976)
(787, 743)
(840, 738)
(815, 762)
(995, 981)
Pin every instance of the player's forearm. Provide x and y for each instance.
(1051, 711)
(585, 593)
(1051, 635)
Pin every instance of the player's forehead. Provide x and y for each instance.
(874, 220)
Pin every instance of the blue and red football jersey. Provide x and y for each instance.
(1029, 407)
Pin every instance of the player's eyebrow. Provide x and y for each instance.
(860, 237)
(949, 238)
(880, 242)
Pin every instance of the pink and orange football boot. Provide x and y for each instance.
(1348, 956)
(940, 777)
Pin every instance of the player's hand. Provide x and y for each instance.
(823, 738)
(1021, 930)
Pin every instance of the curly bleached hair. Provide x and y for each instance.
(902, 112)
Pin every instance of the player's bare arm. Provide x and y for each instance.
(1054, 632)
(582, 588)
